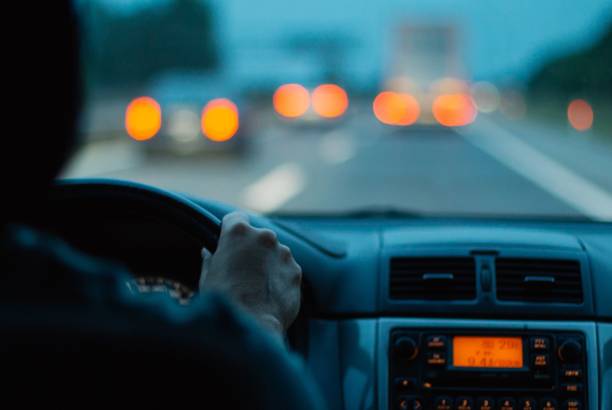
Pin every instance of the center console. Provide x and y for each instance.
(463, 365)
(465, 369)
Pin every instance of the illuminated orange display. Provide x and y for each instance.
(580, 115)
(143, 118)
(488, 352)
(329, 101)
(454, 110)
(220, 120)
(291, 100)
(393, 108)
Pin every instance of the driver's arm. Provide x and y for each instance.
(256, 272)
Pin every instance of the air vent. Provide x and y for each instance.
(539, 280)
(432, 278)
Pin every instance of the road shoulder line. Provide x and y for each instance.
(548, 174)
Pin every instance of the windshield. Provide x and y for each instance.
(434, 107)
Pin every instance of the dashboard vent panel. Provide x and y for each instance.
(432, 278)
(539, 280)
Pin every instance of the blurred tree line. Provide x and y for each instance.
(124, 49)
(587, 73)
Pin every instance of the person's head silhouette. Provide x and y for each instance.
(41, 101)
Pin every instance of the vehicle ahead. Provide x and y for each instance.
(187, 101)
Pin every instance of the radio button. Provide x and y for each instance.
(571, 372)
(410, 403)
(464, 403)
(572, 404)
(505, 404)
(570, 351)
(436, 342)
(540, 343)
(527, 404)
(541, 376)
(405, 347)
(572, 387)
(540, 360)
(548, 404)
(485, 403)
(436, 358)
(443, 403)
(404, 383)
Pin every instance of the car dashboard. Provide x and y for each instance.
(411, 313)
(426, 313)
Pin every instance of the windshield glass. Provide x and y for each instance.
(437, 107)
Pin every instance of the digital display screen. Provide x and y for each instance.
(488, 352)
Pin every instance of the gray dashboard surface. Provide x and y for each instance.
(344, 258)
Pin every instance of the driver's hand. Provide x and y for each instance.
(253, 269)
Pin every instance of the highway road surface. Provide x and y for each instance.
(494, 167)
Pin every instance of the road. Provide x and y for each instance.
(493, 167)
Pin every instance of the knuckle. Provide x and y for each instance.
(298, 274)
(267, 237)
(239, 228)
(285, 253)
(298, 279)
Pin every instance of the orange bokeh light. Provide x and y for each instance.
(143, 118)
(393, 108)
(330, 101)
(291, 100)
(220, 120)
(454, 110)
(580, 115)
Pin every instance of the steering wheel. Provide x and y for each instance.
(96, 194)
(71, 204)
(97, 348)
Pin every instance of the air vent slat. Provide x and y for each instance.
(540, 272)
(406, 279)
(565, 284)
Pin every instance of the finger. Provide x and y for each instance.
(298, 275)
(294, 301)
(285, 253)
(267, 237)
(235, 223)
(206, 258)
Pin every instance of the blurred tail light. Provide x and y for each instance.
(393, 108)
(580, 115)
(143, 118)
(330, 101)
(220, 120)
(291, 100)
(454, 110)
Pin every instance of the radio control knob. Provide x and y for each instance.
(405, 347)
(570, 351)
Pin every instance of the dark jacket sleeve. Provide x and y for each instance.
(61, 309)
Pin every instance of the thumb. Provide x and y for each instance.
(206, 258)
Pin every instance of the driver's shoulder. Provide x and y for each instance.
(35, 260)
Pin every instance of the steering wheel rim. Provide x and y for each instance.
(196, 220)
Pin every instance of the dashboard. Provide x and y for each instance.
(454, 313)
(423, 313)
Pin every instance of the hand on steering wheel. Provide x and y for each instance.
(254, 270)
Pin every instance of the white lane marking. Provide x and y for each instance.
(336, 148)
(548, 174)
(275, 188)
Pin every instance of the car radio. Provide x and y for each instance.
(486, 370)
